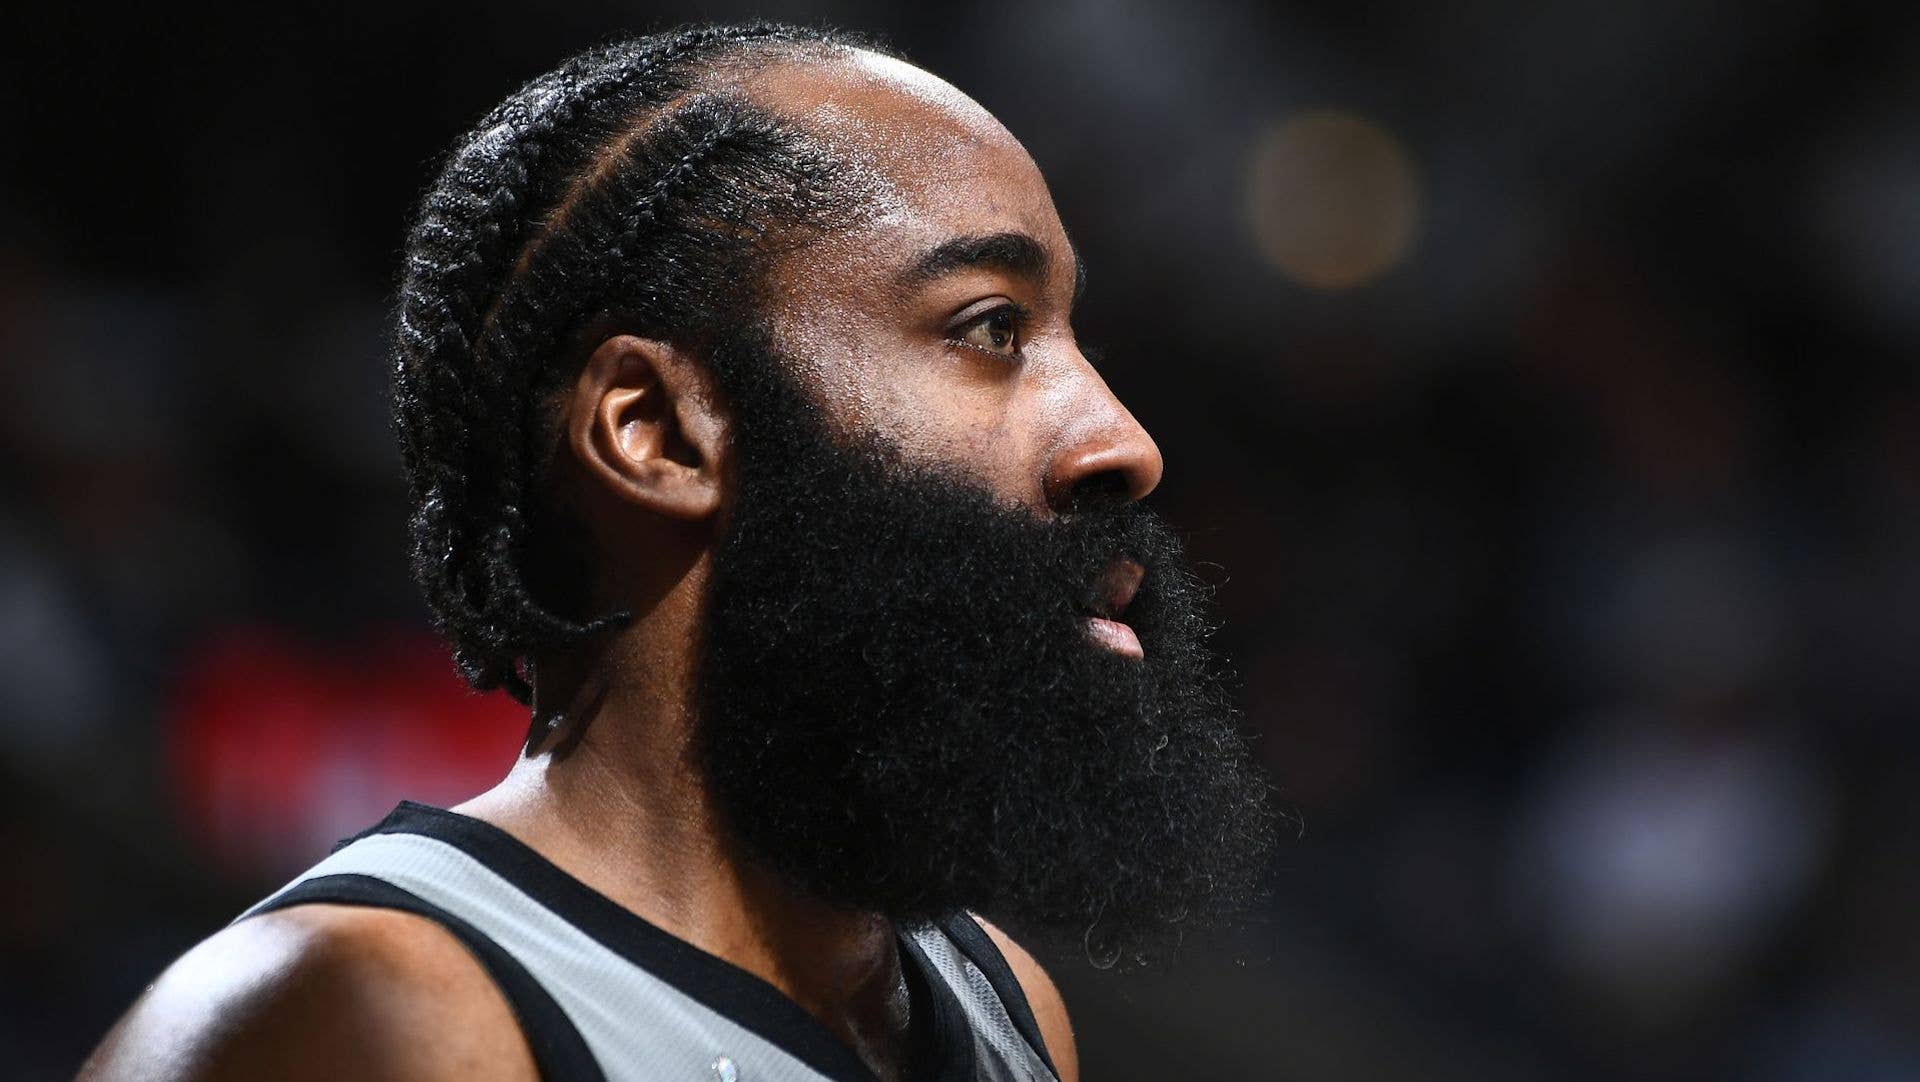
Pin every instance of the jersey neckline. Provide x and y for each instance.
(733, 992)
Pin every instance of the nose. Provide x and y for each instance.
(1106, 457)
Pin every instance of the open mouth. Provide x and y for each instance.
(1111, 596)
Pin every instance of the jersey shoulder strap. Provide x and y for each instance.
(558, 1050)
(991, 965)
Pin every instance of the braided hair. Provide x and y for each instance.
(617, 185)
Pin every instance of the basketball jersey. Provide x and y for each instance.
(602, 994)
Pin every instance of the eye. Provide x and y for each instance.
(996, 332)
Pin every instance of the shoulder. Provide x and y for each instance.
(319, 991)
(1049, 1010)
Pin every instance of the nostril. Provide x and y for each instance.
(1106, 467)
(1108, 488)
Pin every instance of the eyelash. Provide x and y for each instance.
(1014, 310)
(1018, 313)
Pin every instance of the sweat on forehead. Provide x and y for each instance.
(935, 166)
(912, 130)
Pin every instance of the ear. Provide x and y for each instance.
(644, 423)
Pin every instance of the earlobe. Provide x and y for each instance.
(644, 423)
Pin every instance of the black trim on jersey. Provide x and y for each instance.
(722, 986)
(558, 1050)
(984, 953)
(947, 1052)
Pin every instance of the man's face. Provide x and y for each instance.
(949, 662)
(944, 323)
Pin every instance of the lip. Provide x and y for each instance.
(1112, 594)
(1117, 585)
(1115, 636)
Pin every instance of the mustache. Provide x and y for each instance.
(1120, 554)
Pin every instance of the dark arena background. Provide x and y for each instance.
(1537, 381)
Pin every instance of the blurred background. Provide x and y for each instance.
(1538, 381)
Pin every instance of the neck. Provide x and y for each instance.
(613, 796)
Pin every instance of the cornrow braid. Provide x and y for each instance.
(615, 184)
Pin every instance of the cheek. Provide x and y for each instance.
(988, 428)
(946, 409)
(940, 409)
(938, 406)
(870, 376)
(840, 360)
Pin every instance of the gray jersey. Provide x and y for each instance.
(602, 994)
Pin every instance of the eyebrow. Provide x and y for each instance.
(1013, 252)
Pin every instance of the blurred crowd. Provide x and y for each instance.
(1538, 385)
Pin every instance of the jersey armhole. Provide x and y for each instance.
(980, 949)
(559, 1052)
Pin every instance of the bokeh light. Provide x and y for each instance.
(1333, 199)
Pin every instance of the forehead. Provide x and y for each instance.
(938, 164)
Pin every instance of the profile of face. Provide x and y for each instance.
(949, 660)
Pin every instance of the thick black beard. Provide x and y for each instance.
(904, 712)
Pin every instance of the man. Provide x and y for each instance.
(751, 446)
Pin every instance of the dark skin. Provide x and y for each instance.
(942, 322)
